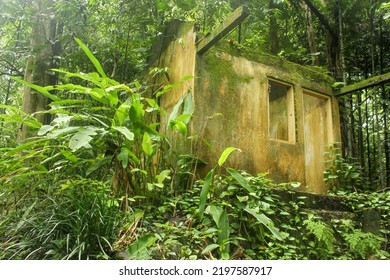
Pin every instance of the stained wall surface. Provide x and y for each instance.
(238, 95)
(176, 52)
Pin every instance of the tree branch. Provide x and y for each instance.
(322, 18)
(13, 75)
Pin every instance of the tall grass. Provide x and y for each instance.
(78, 220)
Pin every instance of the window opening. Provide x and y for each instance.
(280, 112)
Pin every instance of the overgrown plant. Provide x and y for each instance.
(101, 125)
(358, 244)
(339, 172)
(102, 133)
(320, 238)
(238, 197)
(377, 202)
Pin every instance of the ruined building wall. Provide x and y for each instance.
(280, 114)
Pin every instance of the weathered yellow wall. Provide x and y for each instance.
(179, 57)
(238, 89)
(230, 93)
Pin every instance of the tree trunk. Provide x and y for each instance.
(310, 35)
(39, 62)
(273, 28)
(368, 141)
(360, 134)
(386, 136)
(385, 99)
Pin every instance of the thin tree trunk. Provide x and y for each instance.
(376, 103)
(310, 35)
(368, 142)
(386, 136)
(360, 134)
(273, 28)
(351, 128)
(385, 98)
(342, 60)
(39, 63)
(374, 154)
(380, 151)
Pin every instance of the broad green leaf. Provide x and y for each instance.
(29, 174)
(123, 156)
(82, 138)
(62, 131)
(136, 110)
(175, 111)
(113, 98)
(61, 119)
(184, 118)
(216, 212)
(186, 77)
(295, 184)
(134, 170)
(69, 155)
(112, 93)
(188, 106)
(210, 248)
(204, 192)
(44, 129)
(12, 109)
(163, 175)
(99, 95)
(159, 185)
(267, 222)
(125, 131)
(92, 58)
(26, 146)
(133, 157)
(98, 163)
(242, 198)
(354, 175)
(83, 76)
(40, 89)
(120, 87)
(221, 220)
(147, 144)
(31, 122)
(150, 187)
(179, 126)
(241, 180)
(140, 246)
(152, 103)
(122, 112)
(225, 154)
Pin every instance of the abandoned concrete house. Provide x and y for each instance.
(281, 115)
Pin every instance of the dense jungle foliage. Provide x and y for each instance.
(89, 175)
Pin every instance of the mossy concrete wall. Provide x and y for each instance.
(230, 93)
(176, 51)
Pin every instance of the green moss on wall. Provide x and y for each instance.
(311, 73)
(221, 69)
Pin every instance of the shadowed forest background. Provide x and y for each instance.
(86, 174)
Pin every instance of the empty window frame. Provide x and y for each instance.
(281, 119)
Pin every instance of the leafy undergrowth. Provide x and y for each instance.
(81, 219)
(229, 230)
